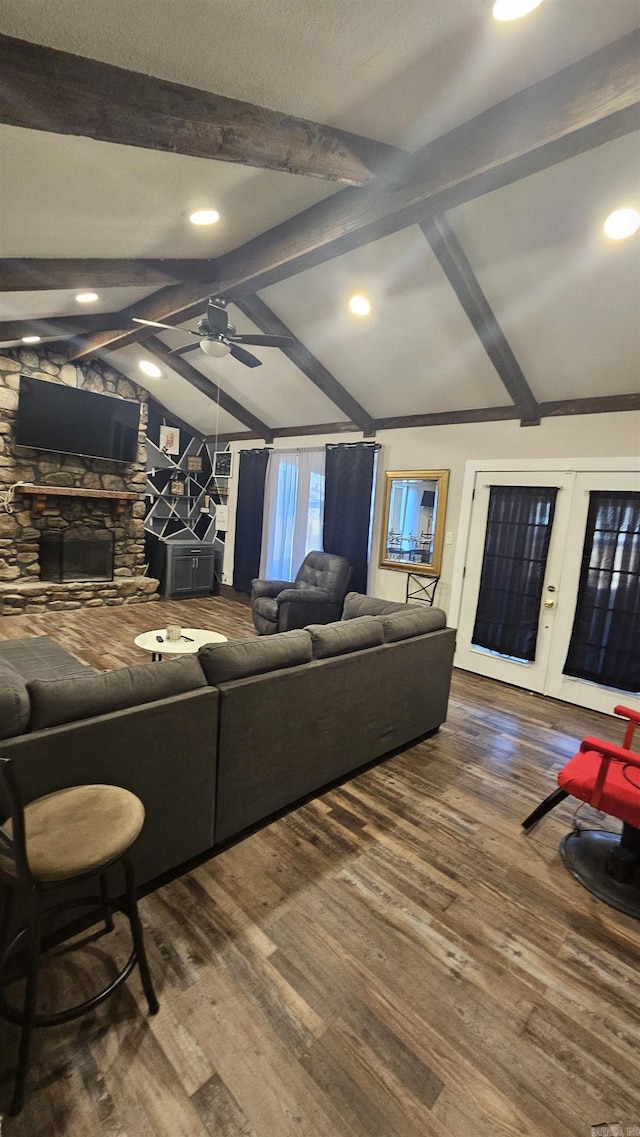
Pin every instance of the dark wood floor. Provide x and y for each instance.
(394, 959)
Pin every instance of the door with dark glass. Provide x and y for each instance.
(512, 570)
(551, 594)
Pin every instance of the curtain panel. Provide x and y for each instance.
(513, 567)
(605, 641)
(249, 514)
(348, 505)
(293, 511)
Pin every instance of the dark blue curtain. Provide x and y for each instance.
(347, 505)
(605, 642)
(251, 476)
(513, 566)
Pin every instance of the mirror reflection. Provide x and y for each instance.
(413, 523)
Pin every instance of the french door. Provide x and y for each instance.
(531, 564)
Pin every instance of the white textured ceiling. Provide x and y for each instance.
(403, 71)
(399, 70)
(415, 354)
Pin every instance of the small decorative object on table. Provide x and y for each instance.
(173, 633)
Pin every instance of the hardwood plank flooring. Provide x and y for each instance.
(395, 959)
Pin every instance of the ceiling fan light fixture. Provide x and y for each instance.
(150, 369)
(360, 305)
(31, 339)
(87, 297)
(204, 217)
(504, 10)
(215, 348)
(622, 223)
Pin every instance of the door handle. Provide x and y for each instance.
(549, 603)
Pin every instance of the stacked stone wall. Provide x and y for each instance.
(20, 531)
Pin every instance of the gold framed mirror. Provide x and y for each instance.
(413, 519)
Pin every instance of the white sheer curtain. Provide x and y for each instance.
(293, 511)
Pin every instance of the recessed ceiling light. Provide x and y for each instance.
(513, 9)
(87, 297)
(360, 306)
(150, 369)
(204, 217)
(31, 339)
(622, 223)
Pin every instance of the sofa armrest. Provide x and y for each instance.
(303, 596)
(268, 587)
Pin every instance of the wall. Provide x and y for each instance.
(449, 448)
(20, 587)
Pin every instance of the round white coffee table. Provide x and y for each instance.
(190, 641)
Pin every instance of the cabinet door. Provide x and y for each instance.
(202, 579)
(181, 575)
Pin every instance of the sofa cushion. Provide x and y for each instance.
(356, 604)
(413, 621)
(241, 658)
(56, 701)
(14, 701)
(344, 637)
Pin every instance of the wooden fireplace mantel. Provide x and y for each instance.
(39, 495)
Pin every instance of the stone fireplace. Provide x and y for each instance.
(76, 553)
(68, 495)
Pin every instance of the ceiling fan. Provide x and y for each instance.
(218, 337)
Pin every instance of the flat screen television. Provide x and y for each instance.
(71, 421)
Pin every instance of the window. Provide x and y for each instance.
(293, 511)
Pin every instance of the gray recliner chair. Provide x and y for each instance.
(316, 595)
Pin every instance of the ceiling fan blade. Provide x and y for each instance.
(152, 324)
(217, 318)
(264, 341)
(245, 356)
(167, 327)
(185, 349)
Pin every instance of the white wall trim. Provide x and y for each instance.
(519, 466)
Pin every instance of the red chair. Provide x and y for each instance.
(607, 777)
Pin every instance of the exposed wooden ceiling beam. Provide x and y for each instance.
(267, 320)
(54, 326)
(46, 89)
(604, 404)
(207, 387)
(464, 282)
(597, 405)
(580, 107)
(26, 274)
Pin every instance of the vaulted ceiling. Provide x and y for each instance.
(385, 148)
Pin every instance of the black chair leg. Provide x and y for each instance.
(104, 892)
(29, 1007)
(138, 939)
(545, 807)
(7, 910)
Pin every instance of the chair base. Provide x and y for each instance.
(591, 857)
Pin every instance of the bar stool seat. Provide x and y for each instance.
(64, 837)
(77, 831)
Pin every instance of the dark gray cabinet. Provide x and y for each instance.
(190, 569)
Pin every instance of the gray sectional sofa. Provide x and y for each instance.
(218, 743)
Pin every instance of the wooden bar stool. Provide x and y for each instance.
(53, 842)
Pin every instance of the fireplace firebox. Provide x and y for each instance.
(68, 554)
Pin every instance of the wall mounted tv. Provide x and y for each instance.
(71, 421)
